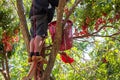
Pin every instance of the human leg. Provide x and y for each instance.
(35, 47)
(38, 42)
(31, 53)
(38, 32)
(32, 45)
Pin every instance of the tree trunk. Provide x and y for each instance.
(57, 41)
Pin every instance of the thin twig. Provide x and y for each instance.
(71, 11)
(74, 69)
(95, 34)
(13, 5)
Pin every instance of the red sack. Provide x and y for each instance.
(51, 27)
(66, 37)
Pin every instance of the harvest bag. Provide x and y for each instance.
(66, 37)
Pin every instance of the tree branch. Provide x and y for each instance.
(71, 11)
(24, 29)
(3, 70)
(4, 74)
(7, 66)
(95, 33)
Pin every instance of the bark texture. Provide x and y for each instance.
(24, 29)
(57, 41)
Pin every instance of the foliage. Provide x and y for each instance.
(96, 32)
(18, 62)
(96, 42)
(8, 36)
(8, 27)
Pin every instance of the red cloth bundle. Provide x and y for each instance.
(65, 58)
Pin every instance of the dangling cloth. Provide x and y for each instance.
(65, 58)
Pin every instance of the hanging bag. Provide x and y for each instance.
(66, 37)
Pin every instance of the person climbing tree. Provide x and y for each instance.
(41, 13)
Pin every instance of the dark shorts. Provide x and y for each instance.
(39, 26)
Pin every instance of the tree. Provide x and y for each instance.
(95, 18)
(56, 42)
(95, 34)
(8, 37)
